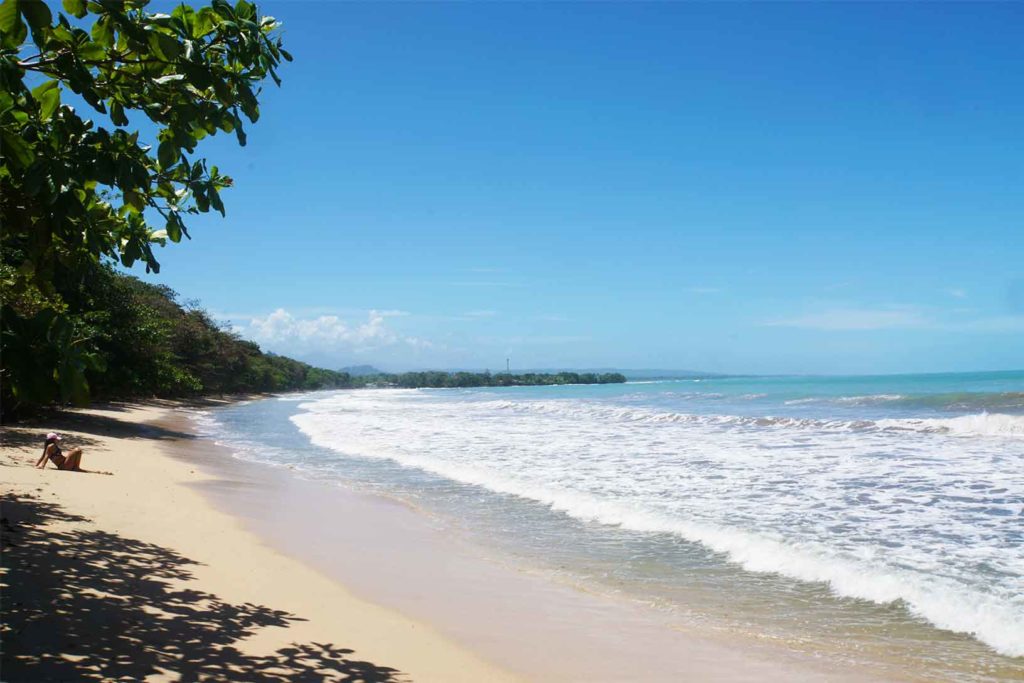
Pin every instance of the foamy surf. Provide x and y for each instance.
(981, 424)
(922, 512)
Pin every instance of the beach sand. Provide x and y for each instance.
(188, 564)
(136, 576)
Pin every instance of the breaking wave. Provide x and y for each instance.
(981, 424)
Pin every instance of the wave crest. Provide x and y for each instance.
(980, 424)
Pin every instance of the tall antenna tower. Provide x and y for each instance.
(508, 365)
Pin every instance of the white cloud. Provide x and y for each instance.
(957, 293)
(855, 319)
(309, 312)
(282, 329)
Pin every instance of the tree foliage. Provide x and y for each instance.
(154, 345)
(74, 191)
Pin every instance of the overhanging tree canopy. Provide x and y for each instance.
(74, 190)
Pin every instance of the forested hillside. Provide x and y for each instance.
(139, 339)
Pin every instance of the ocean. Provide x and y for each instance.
(875, 520)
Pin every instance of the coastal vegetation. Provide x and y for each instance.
(144, 341)
(82, 199)
(438, 379)
(79, 195)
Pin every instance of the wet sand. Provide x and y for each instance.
(525, 621)
(190, 564)
(135, 576)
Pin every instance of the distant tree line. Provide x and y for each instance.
(138, 339)
(439, 380)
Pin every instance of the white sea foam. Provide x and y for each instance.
(923, 511)
(872, 398)
(983, 424)
(849, 400)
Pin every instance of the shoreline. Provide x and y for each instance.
(413, 602)
(518, 616)
(136, 575)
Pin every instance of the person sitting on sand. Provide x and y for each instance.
(72, 462)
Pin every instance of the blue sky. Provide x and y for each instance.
(770, 188)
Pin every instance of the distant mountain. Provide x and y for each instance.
(360, 370)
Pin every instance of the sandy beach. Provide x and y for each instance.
(135, 576)
(188, 564)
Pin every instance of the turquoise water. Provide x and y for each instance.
(874, 519)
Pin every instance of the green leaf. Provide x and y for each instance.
(202, 201)
(167, 154)
(75, 8)
(215, 201)
(130, 252)
(166, 46)
(186, 16)
(103, 32)
(117, 114)
(244, 10)
(11, 25)
(91, 51)
(135, 200)
(48, 97)
(174, 228)
(205, 21)
(15, 149)
(8, 15)
(36, 13)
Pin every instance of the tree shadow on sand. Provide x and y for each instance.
(33, 439)
(84, 604)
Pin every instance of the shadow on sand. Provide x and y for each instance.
(84, 604)
(84, 428)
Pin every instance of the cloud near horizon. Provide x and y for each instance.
(282, 330)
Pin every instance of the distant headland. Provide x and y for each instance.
(437, 379)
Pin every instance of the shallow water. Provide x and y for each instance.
(860, 518)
